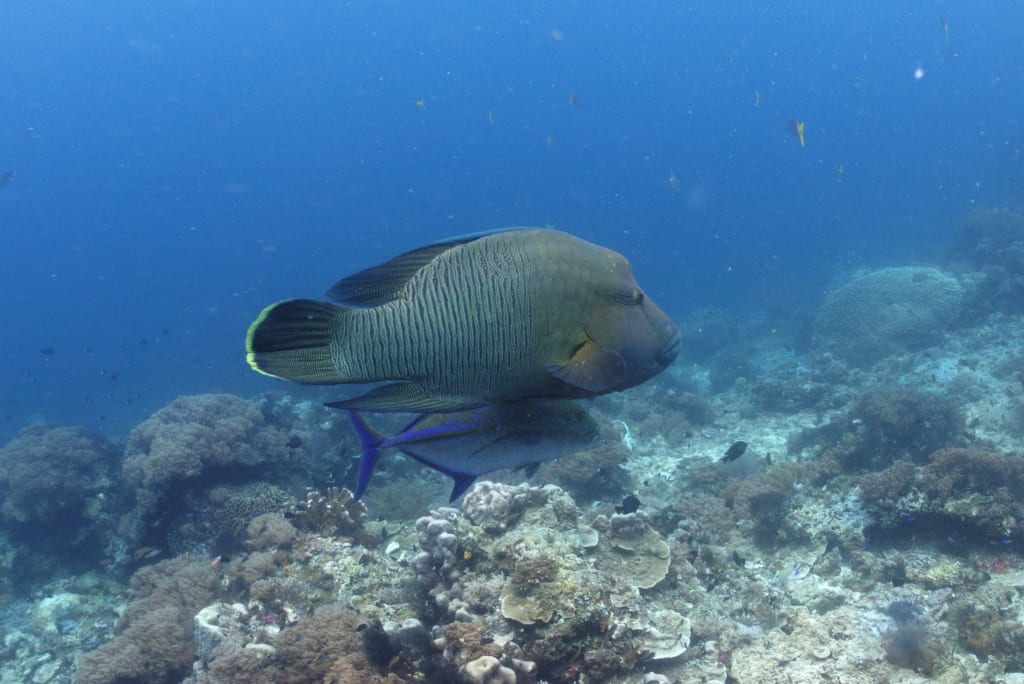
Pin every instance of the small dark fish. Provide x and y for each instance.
(630, 504)
(6, 178)
(735, 451)
(47, 351)
(466, 444)
(294, 442)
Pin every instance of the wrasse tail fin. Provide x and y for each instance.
(291, 340)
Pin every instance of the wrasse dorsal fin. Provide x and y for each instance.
(381, 283)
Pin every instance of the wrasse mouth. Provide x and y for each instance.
(670, 351)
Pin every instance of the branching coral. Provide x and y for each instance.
(331, 513)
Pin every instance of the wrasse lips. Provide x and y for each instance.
(670, 351)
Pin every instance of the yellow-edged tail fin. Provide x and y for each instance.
(292, 339)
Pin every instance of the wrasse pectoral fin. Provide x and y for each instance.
(399, 397)
(592, 369)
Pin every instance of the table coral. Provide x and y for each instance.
(634, 552)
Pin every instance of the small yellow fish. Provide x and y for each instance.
(550, 140)
(945, 29)
(796, 127)
(840, 170)
(490, 116)
(673, 181)
(757, 98)
(574, 99)
(420, 104)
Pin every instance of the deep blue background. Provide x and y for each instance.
(182, 164)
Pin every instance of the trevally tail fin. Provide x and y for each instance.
(369, 442)
(292, 340)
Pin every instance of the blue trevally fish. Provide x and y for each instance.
(467, 444)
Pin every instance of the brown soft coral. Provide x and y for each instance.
(51, 475)
(195, 433)
(955, 472)
(326, 647)
(968, 495)
(188, 443)
(154, 641)
(903, 422)
(764, 500)
(888, 485)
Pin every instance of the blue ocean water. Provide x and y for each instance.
(179, 165)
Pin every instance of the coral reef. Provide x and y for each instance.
(58, 493)
(55, 477)
(334, 512)
(188, 446)
(594, 472)
(966, 497)
(884, 426)
(270, 530)
(194, 435)
(795, 387)
(870, 532)
(211, 521)
(906, 308)
(561, 584)
(155, 632)
(989, 246)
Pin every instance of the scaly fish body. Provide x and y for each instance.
(467, 444)
(491, 318)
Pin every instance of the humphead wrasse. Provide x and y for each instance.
(467, 444)
(481, 319)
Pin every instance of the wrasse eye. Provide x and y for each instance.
(633, 298)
